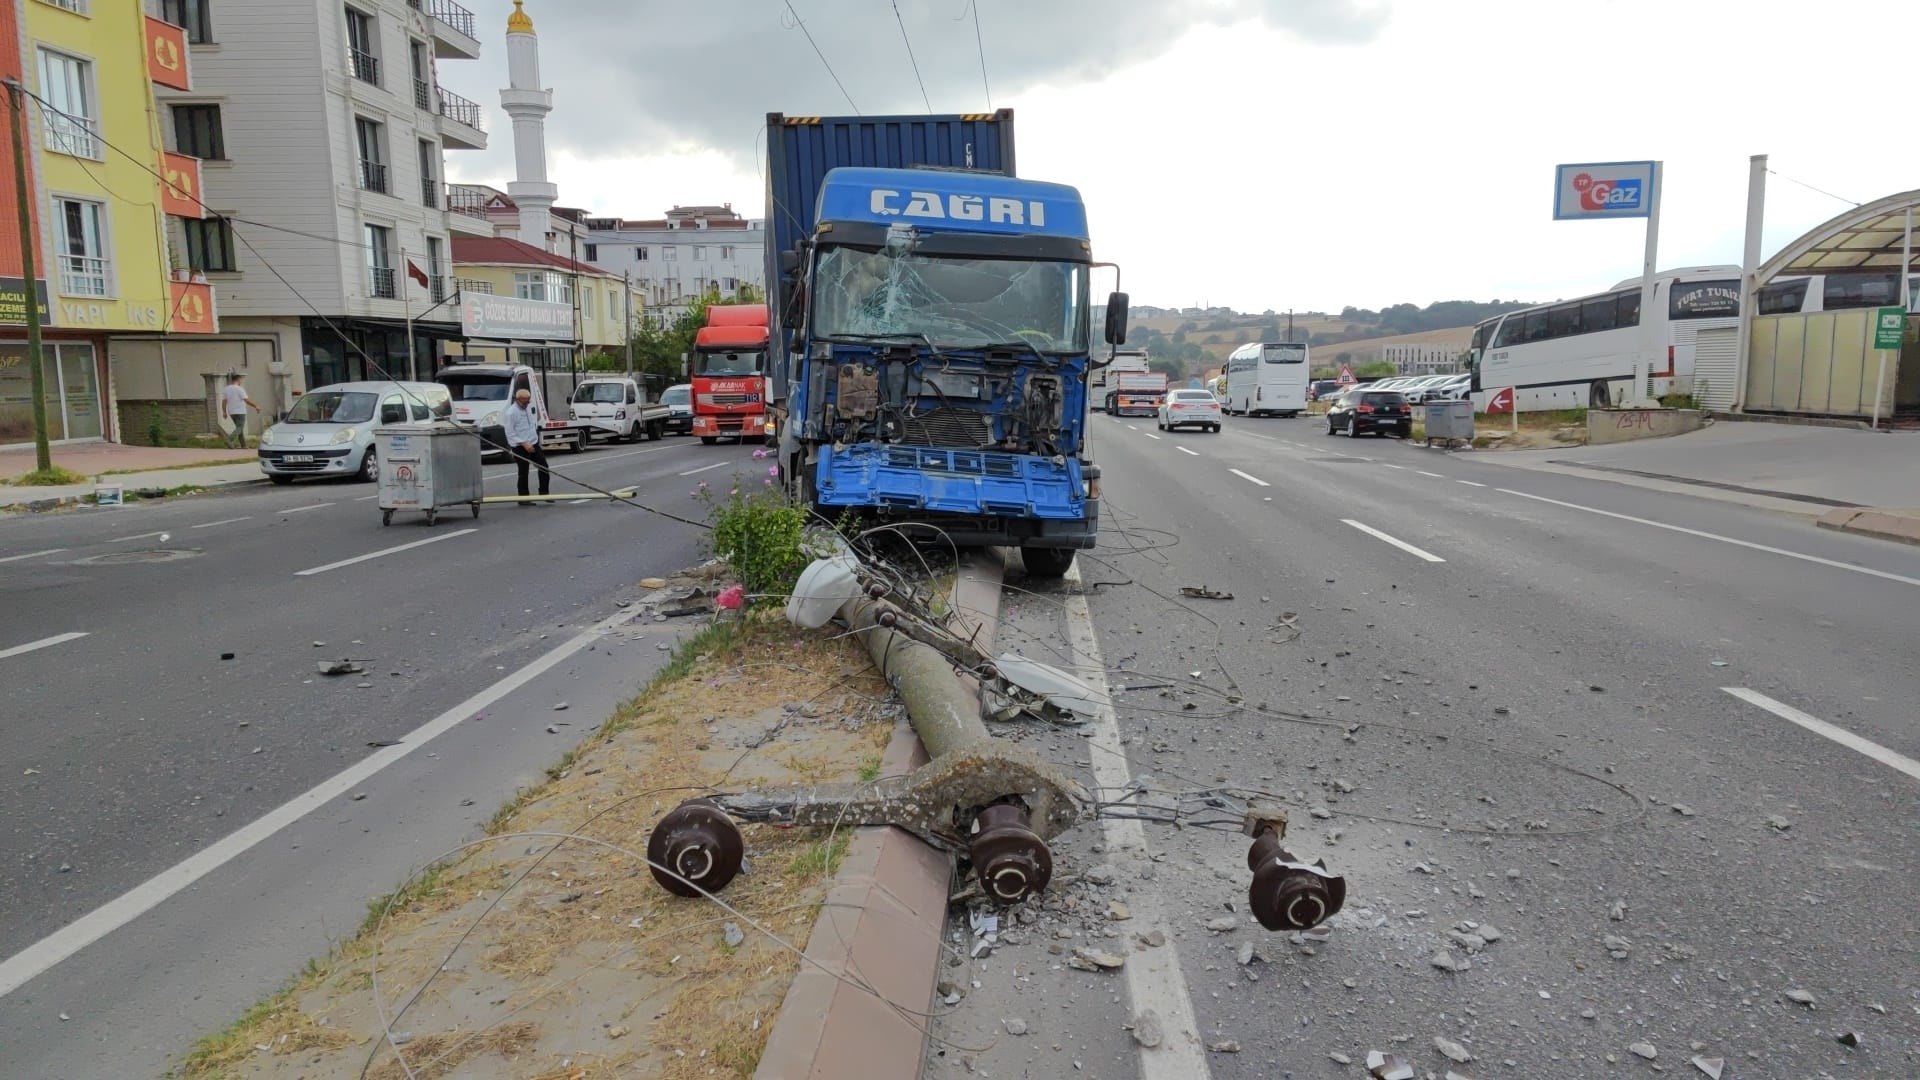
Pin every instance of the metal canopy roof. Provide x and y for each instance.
(1864, 238)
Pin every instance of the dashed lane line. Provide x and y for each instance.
(1395, 541)
(1151, 435)
(304, 509)
(382, 553)
(1469, 483)
(1802, 556)
(1184, 450)
(1385, 465)
(32, 555)
(709, 468)
(222, 521)
(43, 643)
(1819, 727)
(1424, 472)
(136, 536)
(1249, 477)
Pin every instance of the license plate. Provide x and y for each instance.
(298, 459)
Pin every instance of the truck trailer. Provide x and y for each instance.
(931, 316)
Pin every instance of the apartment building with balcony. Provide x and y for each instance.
(691, 251)
(105, 204)
(323, 131)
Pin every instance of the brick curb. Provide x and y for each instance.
(880, 926)
(1874, 523)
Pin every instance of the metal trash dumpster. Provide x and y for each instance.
(1449, 421)
(427, 467)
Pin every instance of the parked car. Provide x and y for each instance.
(679, 398)
(1322, 389)
(329, 431)
(1422, 388)
(1189, 408)
(1366, 411)
(1453, 389)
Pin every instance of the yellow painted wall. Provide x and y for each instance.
(113, 37)
(606, 330)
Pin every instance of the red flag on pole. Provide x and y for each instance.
(417, 274)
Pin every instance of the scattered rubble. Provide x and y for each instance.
(1445, 960)
(1645, 1050)
(1848, 1039)
(1683, 809)
(1779, 823)
(1225, 1046)
(1147, 1029)
(1015, 1025)
(1711, 1066)
(1453, 1051)
(1800, 997)
(1388, 1066)
(1223, 924)
(1201, 592)
(342, 667)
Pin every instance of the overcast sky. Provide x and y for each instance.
(1262, 153)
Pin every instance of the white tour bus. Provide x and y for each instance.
(1835, 292)
(1267, 377)
(1579, 353)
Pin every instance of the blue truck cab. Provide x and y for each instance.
(938, 344)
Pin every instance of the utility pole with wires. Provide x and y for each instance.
(626, 303)
(16, 108)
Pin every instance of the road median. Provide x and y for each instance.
(1899, 526)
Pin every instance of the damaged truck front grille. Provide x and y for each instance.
(946, 427)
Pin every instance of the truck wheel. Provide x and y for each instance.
(657, 430)
(1046, 562)
(709, 440)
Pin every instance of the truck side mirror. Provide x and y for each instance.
(1117, 318)
(789, 262)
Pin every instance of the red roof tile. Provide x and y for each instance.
(506, 251)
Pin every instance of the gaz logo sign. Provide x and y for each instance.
(1617, 189)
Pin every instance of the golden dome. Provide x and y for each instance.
(519, 22)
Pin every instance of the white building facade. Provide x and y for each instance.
(691, 252)
(323, 128)
(1433, 358)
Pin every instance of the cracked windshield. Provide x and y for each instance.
(954, 302)
(1177, 540)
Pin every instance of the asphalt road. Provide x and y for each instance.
(137, 746)
(1509, 695)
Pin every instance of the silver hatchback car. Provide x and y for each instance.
(329, 431)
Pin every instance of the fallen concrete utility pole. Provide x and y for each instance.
(996, 801)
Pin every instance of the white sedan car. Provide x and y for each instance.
(1189, 408)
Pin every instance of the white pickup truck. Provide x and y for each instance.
(482, 392)
(615, 406)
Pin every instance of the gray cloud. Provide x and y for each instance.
(709, 73)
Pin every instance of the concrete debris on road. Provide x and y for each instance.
(1225, 1046)
(1618, 912)
(1147, 1030)
(1779, 823)
(1713, 1067)
(1015, 1025)
(1223, 924)
(1106, 960)
(734, 936)
(1617, 947)
(1800, 997)
(1118, 912)
(1645, 1050)
(1848, 1039)
(1683, 809)
(1388, 1066)
(341, 667)
(1445, 960)
(1245, 955)
(1201, 592)
(653, 583)
(1453, 1051)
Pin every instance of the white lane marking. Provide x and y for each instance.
(1395, 541)
(33, 555)
(1257, 435)
(364, 498)
(1184, 450)
(597, 458)
(709, 468)
(382, 553)
(1435, 475)
(1384, 465)
(1154, 977)
(223, 521)
(1150, 435)
(1835, 563)
(139, 536)
(1245, 476)
(58, 946)
(1469, 483)
(41, 644)
(1820, 727)
(304, 509)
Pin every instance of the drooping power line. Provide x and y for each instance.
(801, 23)
(1850, 202)
(910, 56)
(974, 6)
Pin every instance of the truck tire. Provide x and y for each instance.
(1046, 562)
(657, 430)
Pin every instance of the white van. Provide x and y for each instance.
(616, 406)
(329, 431)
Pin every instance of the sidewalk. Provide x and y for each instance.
(131, 467)
(1856, 481)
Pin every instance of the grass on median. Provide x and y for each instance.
(205, 464)
(51, 477)
(564, 942)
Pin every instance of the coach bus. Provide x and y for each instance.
(1579, 353)
(1267, 377)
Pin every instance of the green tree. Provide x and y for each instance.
(1377, 369)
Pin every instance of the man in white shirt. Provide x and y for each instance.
(522, 432)
(234, 404)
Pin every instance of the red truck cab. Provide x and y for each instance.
(730, 375)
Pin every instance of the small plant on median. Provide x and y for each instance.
(1679, 401)
(54, 477)
(758, 532)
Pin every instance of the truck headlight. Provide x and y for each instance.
(344, 435)
(490, 419)
(266, 436)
